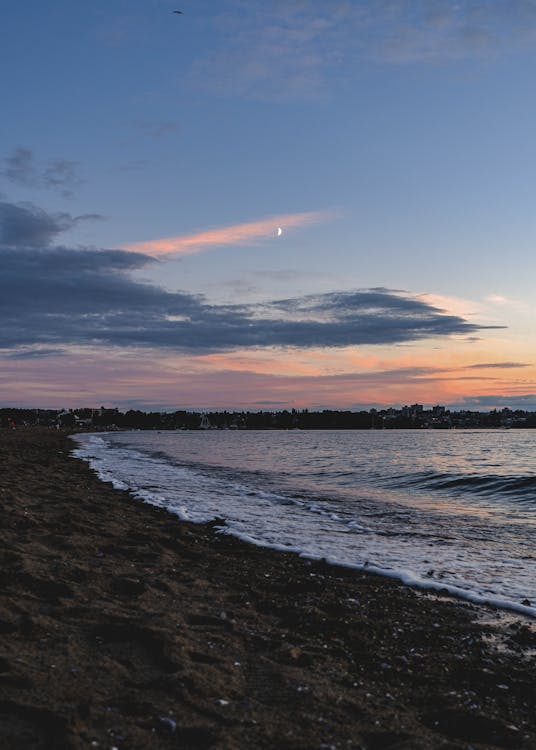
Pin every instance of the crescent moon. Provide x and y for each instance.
(279, 231)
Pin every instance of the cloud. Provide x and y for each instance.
(160, 128)
(526, 401)
(55, 296)
(287, 50)
(271, 403)
(286, 274)
(26, 225)
(496, 365)
(503, 302)
(19, 167)
(37, 353)
(59, 175)
(235, 234)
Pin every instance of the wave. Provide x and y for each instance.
(521, 487)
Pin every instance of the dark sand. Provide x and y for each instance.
(121, 626)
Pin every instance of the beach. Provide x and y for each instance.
(123, 627)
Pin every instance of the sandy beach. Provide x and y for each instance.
(123, 627)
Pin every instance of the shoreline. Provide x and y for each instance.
(124, 626)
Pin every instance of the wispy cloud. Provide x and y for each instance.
(61, 175)
(496, 365)
(34, 353)
(235, 234)
(505, 303)
(158, 129)
(282, 50)
(498, 401)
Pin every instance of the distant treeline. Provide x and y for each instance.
(437, 418)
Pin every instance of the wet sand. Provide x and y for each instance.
(123, 627)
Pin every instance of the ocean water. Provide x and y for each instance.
(449, 509)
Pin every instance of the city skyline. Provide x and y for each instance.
(245, 207)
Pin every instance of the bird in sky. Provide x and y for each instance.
(177, 11)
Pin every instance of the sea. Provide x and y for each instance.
(450, 510)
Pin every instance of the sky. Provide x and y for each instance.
(256, 205)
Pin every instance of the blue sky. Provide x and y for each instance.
(403, 130)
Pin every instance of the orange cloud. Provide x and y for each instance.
(236, 234)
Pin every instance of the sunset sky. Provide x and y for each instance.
(148, 159)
